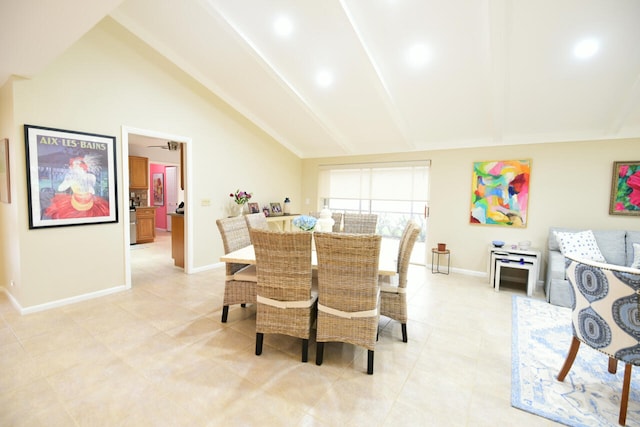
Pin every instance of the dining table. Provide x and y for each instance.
(387, 262)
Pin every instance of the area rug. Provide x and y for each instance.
(589, 395)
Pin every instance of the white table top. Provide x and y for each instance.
(386, 266)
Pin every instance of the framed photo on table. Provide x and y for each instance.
(625, 189)
(71, 177)
(276, 209)
(254, 208)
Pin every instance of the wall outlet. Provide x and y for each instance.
(205, 202)
(306, 201)
(12, 283)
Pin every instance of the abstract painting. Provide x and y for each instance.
(625, 189)
(500, 192)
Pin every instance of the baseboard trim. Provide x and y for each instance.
(62, 302)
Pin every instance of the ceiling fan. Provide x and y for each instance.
(171, 146)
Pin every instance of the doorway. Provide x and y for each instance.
(147, 143)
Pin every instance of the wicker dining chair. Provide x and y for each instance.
(337, 220)
(393, 289)
(359, 223)
(348, 294)
(285, 302)
(240, 280)
(256, 221)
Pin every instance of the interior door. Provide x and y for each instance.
(171, 175)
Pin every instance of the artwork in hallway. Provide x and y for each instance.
(500, 192)
(158, 189)
(71, 177)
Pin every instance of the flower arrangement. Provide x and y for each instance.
(240, 197)
(305, 222)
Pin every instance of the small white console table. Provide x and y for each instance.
(500, 258)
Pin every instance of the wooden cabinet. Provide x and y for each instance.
(146, 225)
(138, 173)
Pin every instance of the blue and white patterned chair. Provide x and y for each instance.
(606, 317)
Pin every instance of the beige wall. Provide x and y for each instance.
(570, 186)
(107, 80)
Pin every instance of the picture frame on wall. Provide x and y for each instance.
(158, 189)
(500, 192)
(254, 207)
(71, 177)
(276, 209)
(5, 172)
(625, 188)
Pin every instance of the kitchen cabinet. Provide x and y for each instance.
(138, 172)
(146, 225)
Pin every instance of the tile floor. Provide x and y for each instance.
(158, 355)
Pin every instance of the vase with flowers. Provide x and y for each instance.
(240, 199)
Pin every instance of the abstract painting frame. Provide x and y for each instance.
(625, 188)
(71, 177)
(5, 172)
(500, 192)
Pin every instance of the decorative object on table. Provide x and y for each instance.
(265, 210)
(442, 247)
(305, 222)
(5, 176)
(240, 198)
(497, 243)
(253, 207)
(326, 221)
(589, 396)
(276, 209)
(524, 245)
(158, 189)
(625, 189)
(71, 177)
(500, 192)
(286, 207)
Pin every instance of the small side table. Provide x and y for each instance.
(435, 256)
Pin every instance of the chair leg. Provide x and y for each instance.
(573, 350)
(319, 353)
(225, 313)
(613, 365)
(305, 350)
(259, 338)
(370, 362)
(404, 332)
(624, 399)
(243, 305)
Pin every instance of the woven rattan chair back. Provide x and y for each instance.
(285, 302)
(393, 296)
(256, 221)
(348, 309)
(337, 220)
(359, 223)
(240, 281)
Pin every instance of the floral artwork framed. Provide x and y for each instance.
(71, 177)
(5, 175)
(625, 188)
(500, 192)
(158, 189)
(254, 207)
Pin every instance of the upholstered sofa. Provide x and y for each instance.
(615, 245)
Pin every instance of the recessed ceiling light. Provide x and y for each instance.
(324, 78)
(418, 55)
(283, 26)
(586, 48)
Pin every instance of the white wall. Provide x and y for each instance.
(107, 80)
(570, 186)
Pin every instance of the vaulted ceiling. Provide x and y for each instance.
(341, 77)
